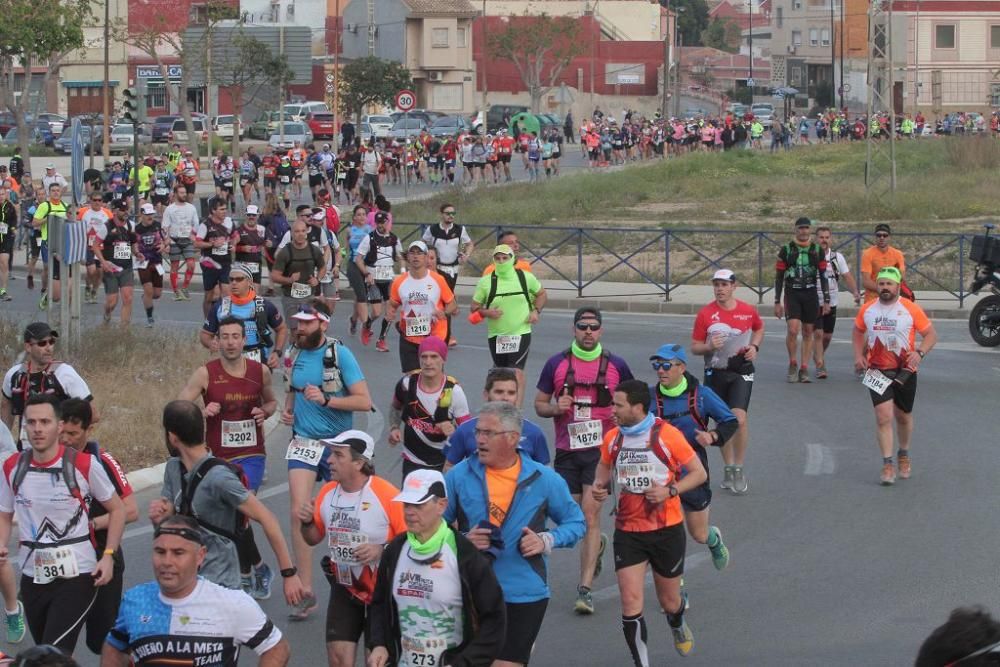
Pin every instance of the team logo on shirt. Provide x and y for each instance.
(412, 585)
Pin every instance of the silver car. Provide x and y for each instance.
(293, 132)
(120, 140)
(407, 128)
(381, 125)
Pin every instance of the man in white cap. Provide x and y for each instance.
(52, 176)
(250, 244)
(433, 571)
(153, 244)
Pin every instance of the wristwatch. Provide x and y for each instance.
(673, 491)
(921, 353)
(289, 572)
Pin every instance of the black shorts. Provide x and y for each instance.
(7, 242)
(524, 620)
(315, 180)
(409, 355)
(58, 610)
(801, 304)
(379, 292)
(595, 153)
(902, 397)
(827, 322)
(733, 388)
(212, 277)
(663, 549)
(346, 616)
(577, 467)
(103, 614)
(150, 275)
(700, 497)
(511, 359)
(270, 182)
(160, 200)
(34, 245)
(357, 283)
(504, 159)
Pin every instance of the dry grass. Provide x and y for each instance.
(132, 375)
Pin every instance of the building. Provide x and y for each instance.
(621, 20)
(81, 74)
(802, 48)
(432, 38)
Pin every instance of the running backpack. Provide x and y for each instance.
(494, 281)
(260, 318)
(601, 382)
(654, 445)
(241, 523)
(693, 407)
(333, 379)
(440, 410)
(68, 473)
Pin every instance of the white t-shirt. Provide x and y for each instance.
(48, 513)
(369, 162)
(447, 249)
(179, 220)
(383, 254)
(831, 276)
(95, 219)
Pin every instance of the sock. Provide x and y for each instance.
(676, 619)
(368, 323)
(903, 454)
(886, 459)
(173, 280)
(634, 628)
(11, 612)
(149, 312)
(713, 537)
(188, 275)
(385, 327)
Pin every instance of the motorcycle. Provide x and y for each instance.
(984, 320)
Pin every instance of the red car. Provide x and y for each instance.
(320, 124)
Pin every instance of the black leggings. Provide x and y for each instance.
(56, 611)
(452, 280)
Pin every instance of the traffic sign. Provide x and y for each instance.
(406, 100)
(329, 87)
(329, 77)
(750, 83)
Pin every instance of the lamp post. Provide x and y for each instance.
(750, 44)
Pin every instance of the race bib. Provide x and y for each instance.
(581, 409)
(3, 228)
(227, 184)
(418, 326)
(636, 477)
(342, 543)
(384, 273)
(241, 433)
(301, 291)
(141, 263)
(221, 250)
(159, 269)
(122, 251)
(286, 179)
(55, 563)
(252, 355)
(422, 651)
(162, 191)
(508, 344)
(584, 435)
(307, 451)
(876, 380)
(253, 267)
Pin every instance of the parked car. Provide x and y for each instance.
(299, 111)
(736, 108)
(121, 141)
(365, 133)
(56, 121)
(293, 132)
(10, 139)
(64, 144)
(449, 126)
(406, 128)
(179, 131)
(763, 112)
(497, 112)
(222, 126)
(381, 124)
(266, 124)
(321, 124)
(161, 127)
(428, 117)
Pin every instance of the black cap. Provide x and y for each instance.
(803, 222)
(120, 205)
(381, 217)
(882, 227)
(302, 207)
(587, 311)
(38, 331)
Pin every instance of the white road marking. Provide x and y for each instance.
(819, 460)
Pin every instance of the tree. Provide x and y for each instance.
(723, 34)
(35, 33)
(540, 47)
(692, 18)
(371, 80)
(244, 65)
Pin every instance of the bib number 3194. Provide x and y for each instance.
(876, 380)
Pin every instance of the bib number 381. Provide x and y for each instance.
(56, 563)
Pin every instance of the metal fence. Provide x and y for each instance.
(647, 261)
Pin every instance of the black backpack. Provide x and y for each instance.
(241, 524)
(68, 474)
(494, 281)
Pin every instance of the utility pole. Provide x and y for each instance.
(484, 58)
(677, 76)
(281, 88)
(106, 110)
(833, 57)
(750, 45)
(841, 88)
(880, 162)
(208, 94)
(668, 40)
(916, 59)
(336, 79)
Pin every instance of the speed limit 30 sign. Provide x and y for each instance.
(406, 100)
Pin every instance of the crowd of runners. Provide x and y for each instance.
(448, 567)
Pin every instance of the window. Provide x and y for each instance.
(813, 37)
(944, 36)
(439, 38)
(796, 38)
(461, 38)
(796, 4)
(995, 94)
(780, 16)
(824, 36)
(995, 36)
(156, 96)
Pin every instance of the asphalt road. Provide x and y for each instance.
(827, 566)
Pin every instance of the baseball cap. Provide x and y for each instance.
(38, 331)
(504, 249)
(803, 222)
(419, 245)
(252, 209)
(724, 274)
(309, 314)
(148, 209)
(882, 227)
(359, 441)
(50, 166)
(670, 351)
(587, 311)
(890, 273)
(318, 214)
(421, 486)
(120, 205)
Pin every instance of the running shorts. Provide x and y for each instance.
(902, 396)
(733, 388)
(827, 322)
(577, 467)
(801, 304)
(663, 549)
(511, 359)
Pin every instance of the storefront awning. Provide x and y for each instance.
(88, 84)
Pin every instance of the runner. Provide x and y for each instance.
(424, 304)
(432, 571)
(574, 390)
(375, 258)
(152, 244)
(180, 220)
(250, 245)
(799, 265)
(728, 333)
(885, 349)
(264, 327)
(187, 172)
(95, 216)
(646, 456)
(325, 387)
(502, 501)
(60, 571)
(185, 619)
(54, 207)
(357, 516)
(509, 237)
(117, 244)
(511, 300)
(430, 405)
(501, 385)
(74, 429)
(8, 234)
(875, 257)
(298, 268)
(238, 399)
(163, 182)
(679, 400)
(454, 247)
(215, 237)
(836, 269)
(224, 507)
(269, 170)
(358, 230)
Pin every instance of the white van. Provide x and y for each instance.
(299, 111)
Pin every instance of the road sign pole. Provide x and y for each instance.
(406, 156)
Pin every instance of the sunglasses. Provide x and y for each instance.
(48, 342)
(583, 326)
(448, 212)
(661, 365)
(881, 236)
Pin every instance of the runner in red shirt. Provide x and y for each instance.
(505, 148)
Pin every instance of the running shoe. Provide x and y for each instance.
(354, 327)
(821, 372)
(720, 553)
(584, 601)
(740, 483)
(804, 375)
(186, 293)
(380, 345)
(43, 303)
(178, 296)
(4, 296)
(15, 625)
(904, 467)
(452, 342)
(793, 372)
(262, 579)
(31, 282)
(727, 478)
(107, 317)
(366, 335)
(301, 611)
(599, 564)
(149, 322)
(683, 639)
(246, 583)
(888, 477)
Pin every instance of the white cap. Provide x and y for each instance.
(724, 274)
(420, 245)
(319, 215)
(252, 209)
(357, 440)
(422, 485)
(148, 209)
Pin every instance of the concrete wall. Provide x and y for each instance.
(636, 20)
(390, 19)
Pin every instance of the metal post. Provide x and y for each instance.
(579, 263)
(880, 164)
(666, 263)
(208, 99)
(106, 106)
(750, 45)
(484, 58)
(677, 72)
(961, 270)
(406, 154)
(916, 63)
(760, 268)
(833, 57)
(135, 168)
(281, 88)
(336, 80)
(841, 88)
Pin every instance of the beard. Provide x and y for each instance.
(885, 296)
(313, 340)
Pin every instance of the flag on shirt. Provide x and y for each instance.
(75, 242)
